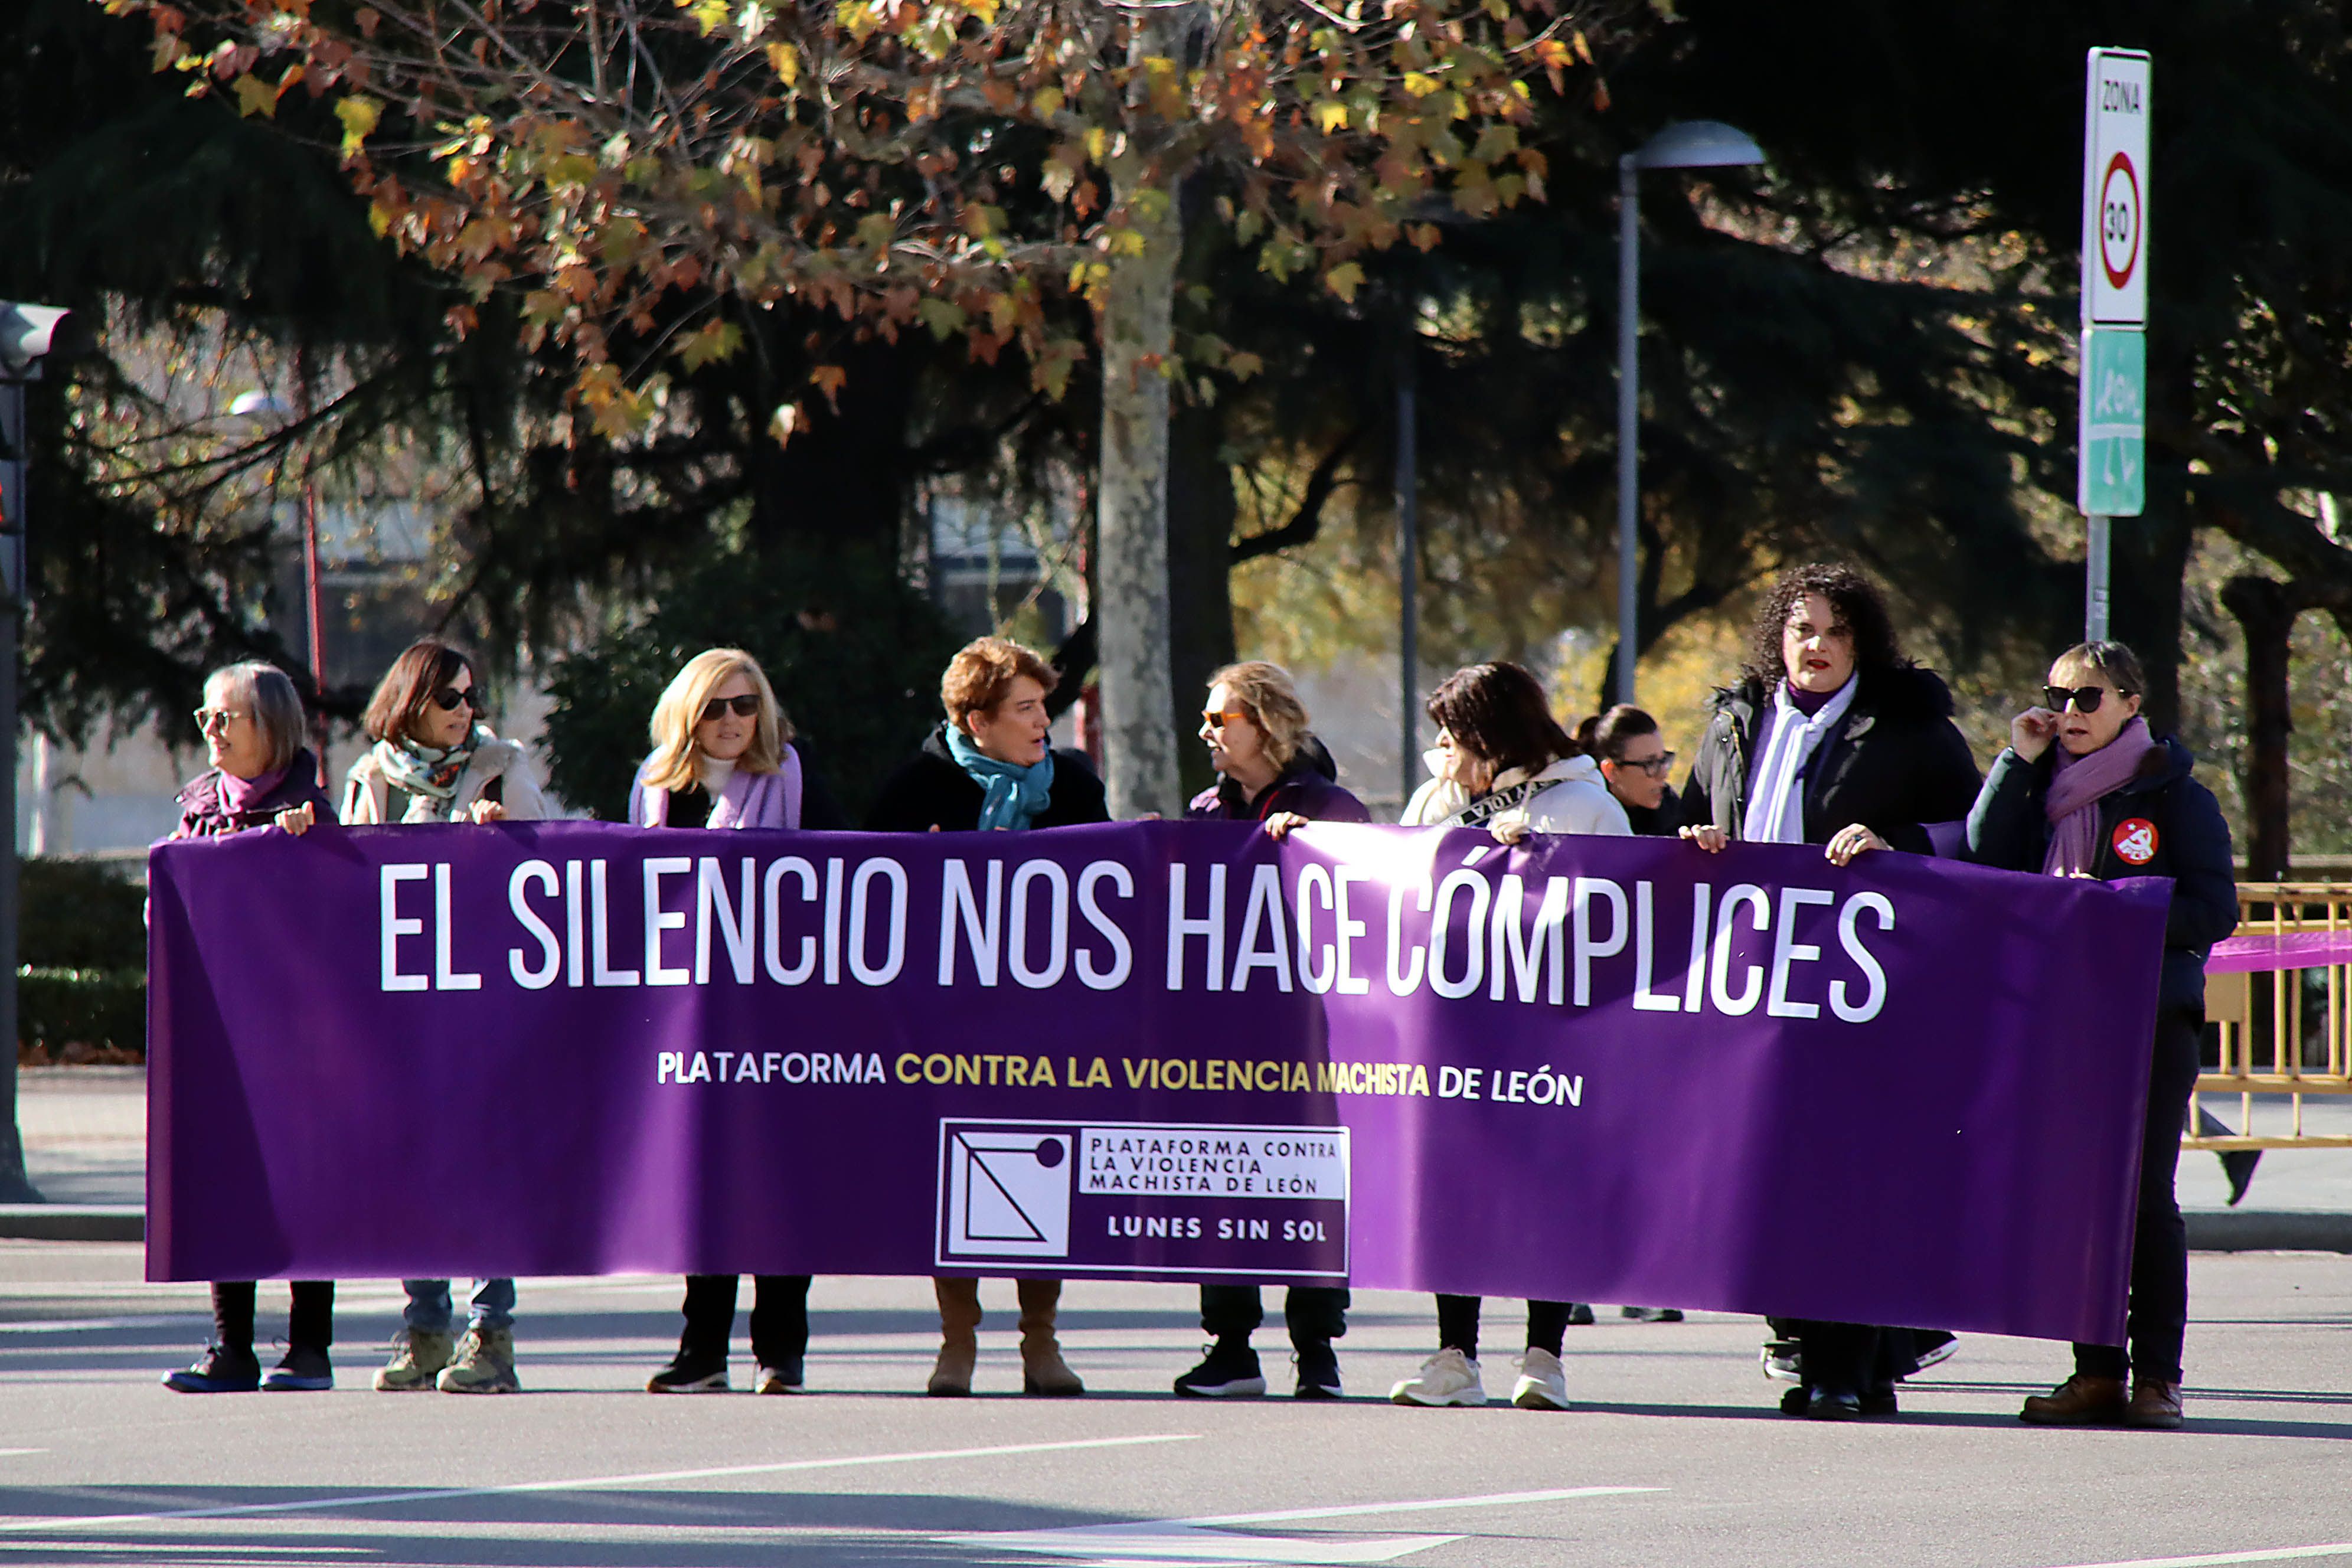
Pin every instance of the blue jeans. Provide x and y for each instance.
(429, 1310)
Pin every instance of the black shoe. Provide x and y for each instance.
(305, 1369)
(691, 1374)
(1229, 1371)
(219, 1369)
(1319, 1369)
(1579, 1313)
(1833, 1405)
(1880, 1401)
(1651, 1314)
(787, 1376)
(1794, 1400)
(2238, 1167)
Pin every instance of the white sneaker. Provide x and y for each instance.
(1543, 1384)
(1449, 1377)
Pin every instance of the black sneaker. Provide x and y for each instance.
(1319, 1369)
(304, 1369)
(1833, 1405)
(1881, 1401)
(1229, 1371)
(691, 1374)
(1651, 1314)
(219, 1369)
(783, 1377)
(1580, 1314)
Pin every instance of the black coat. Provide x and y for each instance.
(1663, 820)
(933, 791)
(204, 807)
(2009, 829)
(1897, 763)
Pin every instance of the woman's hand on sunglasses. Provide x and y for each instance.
(2031, 732)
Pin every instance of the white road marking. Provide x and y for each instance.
(583, 1483)
(2274, 1554)
(1204, 1541)
(13, 1453)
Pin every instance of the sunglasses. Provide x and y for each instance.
(2085, 698)
(1218, 721)
(211, 718)
(744, 706)
(450, 699)
(1657, 767)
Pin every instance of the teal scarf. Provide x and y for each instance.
(1016, 795)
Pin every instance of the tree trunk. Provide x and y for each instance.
(2267, 611)
(1132, 531)
(1200, 516)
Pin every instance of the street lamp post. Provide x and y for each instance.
(1688, 144)
(257, 404)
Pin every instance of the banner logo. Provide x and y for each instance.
(1144, 1199)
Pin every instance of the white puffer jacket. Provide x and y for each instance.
(1576, 800)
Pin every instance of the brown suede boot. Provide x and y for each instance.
(2081, 1401)
(958, 1337)
(1043, 1370)
(2155, 1405)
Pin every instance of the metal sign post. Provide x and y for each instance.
(2111, 479)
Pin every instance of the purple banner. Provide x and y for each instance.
(2260, 953)
(1582, 1068)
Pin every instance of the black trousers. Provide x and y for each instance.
(1311, 1312)
(1457, 1325)
(1850, 1358)
(310, 1322)
(780, 1327)
(2158, 1320)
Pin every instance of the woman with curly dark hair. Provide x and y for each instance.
(1830, 736)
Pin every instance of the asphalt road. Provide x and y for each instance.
(1674, 1455)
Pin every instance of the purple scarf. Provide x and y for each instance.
(238, 795)
(2077, 785)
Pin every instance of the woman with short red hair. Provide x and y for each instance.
(992, 764)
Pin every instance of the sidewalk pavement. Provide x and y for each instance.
(85, 1132)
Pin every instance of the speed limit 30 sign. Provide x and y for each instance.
(2115, 190)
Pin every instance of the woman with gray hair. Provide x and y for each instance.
(261, 776)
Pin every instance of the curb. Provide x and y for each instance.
(72, 1222)
(2235, 1230)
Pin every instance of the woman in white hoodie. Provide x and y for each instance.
(1503, 763)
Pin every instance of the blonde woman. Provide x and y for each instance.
(723, 757)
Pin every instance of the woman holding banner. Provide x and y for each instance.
(1832, 737)
(1503, 763)
(261, 776)
(2085, 789)
(1270, 770)
(992, 765)
(723, 757)
(1634, 763)
(434, 761)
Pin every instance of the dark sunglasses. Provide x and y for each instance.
(2085, 698)
(450, 699)
(744, 706)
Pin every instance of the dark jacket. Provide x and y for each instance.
(1663, 820)
(1309, 786)
(1897, 763)
(933, 791)
(2009, 829)
(204, 814)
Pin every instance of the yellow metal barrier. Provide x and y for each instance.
(2284, 1032)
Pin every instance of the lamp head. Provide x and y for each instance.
(1698, 144)
(28, 334)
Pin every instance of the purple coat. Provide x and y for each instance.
(750, 800)
(203, 814)
(1303, 788)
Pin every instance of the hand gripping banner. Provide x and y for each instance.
(1614, 1069)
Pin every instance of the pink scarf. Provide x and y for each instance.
(2077, 785)
(238, 795)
